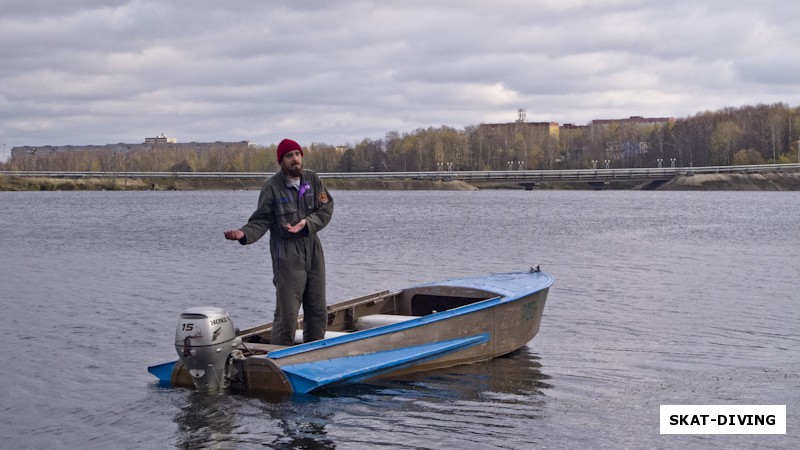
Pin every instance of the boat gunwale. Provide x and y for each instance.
(418, 321)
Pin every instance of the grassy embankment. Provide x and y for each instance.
(10, 183)
(780, 181)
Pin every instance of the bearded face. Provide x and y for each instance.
(292, 164)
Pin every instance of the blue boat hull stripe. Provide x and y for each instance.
(163, 371)
(306, 377)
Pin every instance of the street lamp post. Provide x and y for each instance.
(33, 153)
(672, 162)
(607, 163)
(114, 168)
(659, 162)
(125, 168)
(594, 164)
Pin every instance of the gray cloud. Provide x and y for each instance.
(98, 72)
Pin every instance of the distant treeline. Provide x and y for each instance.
(745, 135)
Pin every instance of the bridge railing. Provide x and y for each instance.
(529, 175)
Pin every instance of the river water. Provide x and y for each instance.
(659, 298)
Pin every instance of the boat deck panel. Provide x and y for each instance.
(509, 285)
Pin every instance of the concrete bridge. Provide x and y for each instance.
(527, 178)
(597, 178)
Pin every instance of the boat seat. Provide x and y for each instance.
(379, 320)
(298, 335)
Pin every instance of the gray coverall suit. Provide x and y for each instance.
(298, 264)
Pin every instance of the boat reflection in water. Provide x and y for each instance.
(506, 388)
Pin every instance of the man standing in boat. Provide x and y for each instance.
(293, 206)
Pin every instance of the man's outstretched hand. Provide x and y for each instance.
(234, 235)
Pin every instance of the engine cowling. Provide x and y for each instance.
(204, 340)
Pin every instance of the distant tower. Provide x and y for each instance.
(521, 115)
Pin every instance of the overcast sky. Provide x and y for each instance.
(336, 72)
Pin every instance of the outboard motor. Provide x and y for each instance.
(204, 341)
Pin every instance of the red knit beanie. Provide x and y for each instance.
(286, 146)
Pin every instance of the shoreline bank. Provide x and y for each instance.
(777, 181)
